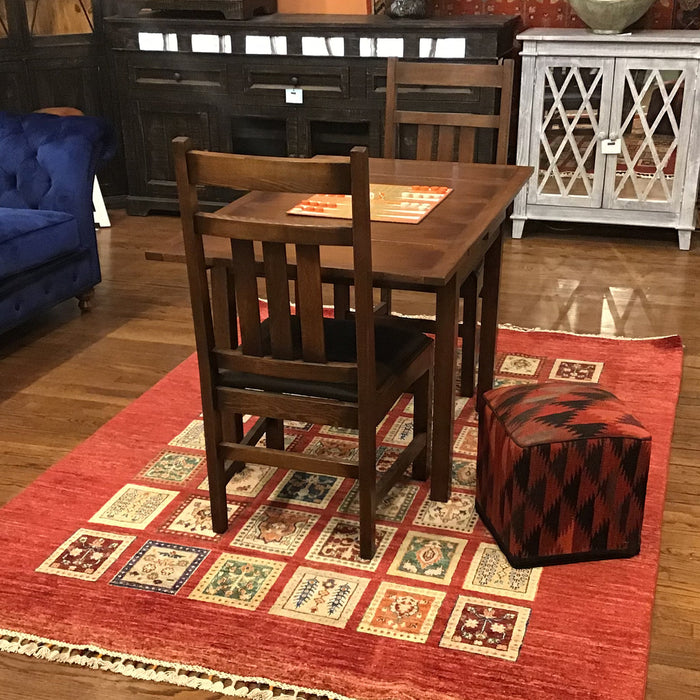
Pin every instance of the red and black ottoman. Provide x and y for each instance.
(561, 473)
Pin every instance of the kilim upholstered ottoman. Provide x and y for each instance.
(561, 473)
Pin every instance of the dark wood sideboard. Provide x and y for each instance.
(226, 84)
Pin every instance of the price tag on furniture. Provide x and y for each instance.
(611, 146)
(294, 96)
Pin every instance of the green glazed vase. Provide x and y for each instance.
(610, 16)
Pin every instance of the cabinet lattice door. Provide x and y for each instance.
(570, 95)
(646, 116)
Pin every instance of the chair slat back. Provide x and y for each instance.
(260, 261)
(245, 284)
(268, 174)
(277, 285)
(447, 136)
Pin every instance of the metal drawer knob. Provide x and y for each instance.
(177, 77)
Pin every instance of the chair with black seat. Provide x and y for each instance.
(449, 136)
(295, 364)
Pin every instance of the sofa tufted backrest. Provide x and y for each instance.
(47, 162)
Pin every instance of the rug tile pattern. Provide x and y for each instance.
(172, 467)
(397, 610)
(160, 567)
(86, 554)
(281, 525)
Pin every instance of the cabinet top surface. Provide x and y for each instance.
(294, 21)
(650, 36)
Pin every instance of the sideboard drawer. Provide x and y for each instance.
(181, 75)
(429, 98)
(268, 82)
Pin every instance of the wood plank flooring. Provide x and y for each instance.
(66, 374)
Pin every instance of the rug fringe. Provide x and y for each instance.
(522, 329)
(141, 668)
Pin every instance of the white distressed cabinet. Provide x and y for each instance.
(611, 125)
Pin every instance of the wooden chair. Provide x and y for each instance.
(295, 364)
(448, 136)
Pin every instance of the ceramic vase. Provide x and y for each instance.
(415, 9)
(610, 16)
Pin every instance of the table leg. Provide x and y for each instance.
(446, 320)
(469, 293)
(489, 318)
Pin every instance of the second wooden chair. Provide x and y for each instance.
(450, 136)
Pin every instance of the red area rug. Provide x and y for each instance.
(108, 561)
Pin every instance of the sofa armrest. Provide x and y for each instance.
(49, 163)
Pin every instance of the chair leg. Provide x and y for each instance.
(367, 490)
(216, 476)
(468, 292)
(274, 434)
(422, 422)
(385, 302)
(227, 427)
(341, 301)
(232, 430)
(232, 427)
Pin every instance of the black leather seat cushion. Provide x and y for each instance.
(395, 347)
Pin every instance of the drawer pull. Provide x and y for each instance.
(177, 77)
(294, 81)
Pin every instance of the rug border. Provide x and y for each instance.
(131, 665)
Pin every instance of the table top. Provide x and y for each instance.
(450, 241)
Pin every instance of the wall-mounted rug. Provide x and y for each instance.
(108, 559)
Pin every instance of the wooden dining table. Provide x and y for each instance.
(436, 255)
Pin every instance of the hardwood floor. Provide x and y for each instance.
(67, 374)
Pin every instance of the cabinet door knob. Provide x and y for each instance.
(177, 76)
(294, 81)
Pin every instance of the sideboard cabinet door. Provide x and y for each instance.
(157, 123)
(13, 86)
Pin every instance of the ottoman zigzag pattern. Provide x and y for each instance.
(561, 473)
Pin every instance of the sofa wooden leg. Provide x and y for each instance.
(85, 299)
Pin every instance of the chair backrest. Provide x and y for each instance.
(447, 136)
(229, 301)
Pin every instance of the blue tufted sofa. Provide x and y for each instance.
(48, 249)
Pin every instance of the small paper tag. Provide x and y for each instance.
(611, 147)
(294, 95)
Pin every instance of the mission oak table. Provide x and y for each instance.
(435, 255)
